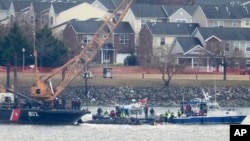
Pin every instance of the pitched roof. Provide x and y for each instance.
(86, 27)
(225, 12)
(147, 10)
(166, 28)
(59, 7)
(40, 7)
(219, 2)
(110, 4)
(171, 9)
(21, 5)
(92, 25)
(225, 33)
(124, 27)
(88, 1)
(188, 43)
(4, 5)
(190, 9)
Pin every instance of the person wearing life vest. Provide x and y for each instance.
(172, 115)
(179, 113)
(106, 113)
(122, 114)
(166, 116)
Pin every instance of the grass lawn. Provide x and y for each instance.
(27, 79)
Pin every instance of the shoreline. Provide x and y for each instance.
(157, 96)
(235, 92)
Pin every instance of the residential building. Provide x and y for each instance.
(140, 14)
(121, 43)
(161, 34)
(232, 43)
(221, 16)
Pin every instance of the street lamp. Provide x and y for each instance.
(23, 50)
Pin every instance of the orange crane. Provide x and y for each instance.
(42, 91)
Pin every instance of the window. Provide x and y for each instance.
(124, 39)
(181, 20)
(234, 24)
(31, 19)
(247, 23)
(226, 47)
(104, 36)
(87, 38)
(236, 63)
(247, 64)
(51, 20)
(11, 18)
(247, 46)
(196, 62)
(218, 24)
(237, 46)
(162, 41)
(159, 20)
(144, 21)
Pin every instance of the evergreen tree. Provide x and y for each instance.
(51, 51)
(12, 44)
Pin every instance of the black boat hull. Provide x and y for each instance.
(40, 116)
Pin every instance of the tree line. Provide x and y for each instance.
(17, 44)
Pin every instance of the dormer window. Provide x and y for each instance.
(218, 24)
(247, 23)
(181, 20)
(234, 24)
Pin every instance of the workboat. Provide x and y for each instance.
(205, 111)
(20, 109)
(135, 113)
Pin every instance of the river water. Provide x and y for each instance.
(92, 132)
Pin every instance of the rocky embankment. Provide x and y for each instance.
(157, 96)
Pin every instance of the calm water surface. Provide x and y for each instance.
(92, 132)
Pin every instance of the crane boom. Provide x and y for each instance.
(87, 54)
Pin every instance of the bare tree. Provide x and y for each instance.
(223, 54)
(165, 62)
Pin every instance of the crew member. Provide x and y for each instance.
(122, 114)
(166, 116)
(178, 113)
(146, 111)
(112, 113)
(152, 111)
(99, 111)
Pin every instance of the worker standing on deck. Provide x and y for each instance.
(152, 111)
(179, 113)
(99, 111)
(112, 113)
(166, 116)
(122, 114)
(73, 103)
(146, 111)
(78, 103)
